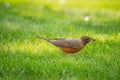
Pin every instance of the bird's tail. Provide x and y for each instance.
(42, 38)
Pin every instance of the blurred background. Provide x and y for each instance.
(23, 57)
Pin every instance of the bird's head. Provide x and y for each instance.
(86, 39)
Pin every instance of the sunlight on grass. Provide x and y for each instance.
(58, 4)
(38, 47)
(105, 37)
(30, 47)
(24, 57)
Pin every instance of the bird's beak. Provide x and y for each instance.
(92, 39)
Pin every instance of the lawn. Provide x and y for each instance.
(24, 57)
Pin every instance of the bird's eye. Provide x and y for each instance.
(87, 39)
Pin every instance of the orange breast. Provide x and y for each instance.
(70, 50)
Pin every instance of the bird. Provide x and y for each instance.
(69, 45)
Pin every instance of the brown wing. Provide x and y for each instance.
(68, 43)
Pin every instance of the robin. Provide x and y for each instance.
(70, 45)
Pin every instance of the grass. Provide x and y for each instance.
(23, 57)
